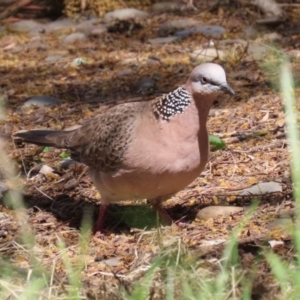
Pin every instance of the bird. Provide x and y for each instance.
(147, 149)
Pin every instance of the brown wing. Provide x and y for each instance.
(101, 141)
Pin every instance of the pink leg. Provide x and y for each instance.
(100, 221)
(162, 212)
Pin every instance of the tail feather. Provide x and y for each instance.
(47, 138)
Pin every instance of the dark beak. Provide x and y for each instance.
(226, 88)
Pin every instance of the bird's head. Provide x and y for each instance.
(208, 79)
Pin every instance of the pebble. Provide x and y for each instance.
(207, 30)
(45, 170)
(208, 54)
(25, 26)
(55, 58)
(37, 43)
(125, 14)
(262, 188)
(71, 183)
(112, 262)
(123, 73)
(98, 30)
(215, 211)
(162, 7)
(172, 26)
(75, 37)
(63, 24)
(66, 163)
(40, 101)
(163, 40)
(87, 26)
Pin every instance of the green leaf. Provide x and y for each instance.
(46, 149)
(64, 155)
(216, 143)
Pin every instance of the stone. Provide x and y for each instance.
(123, 73)
(171, 27)
(163, 40)
(57, 25)
(54, 58)
(45, 170)
(162, 7)
(71, 183)
(66, 163)
(212, 212)
(262, 188)
(98, 30)
(37, 43)
(75, 37)
(207, 54)
(86, 26)
(207, 30)
(25, 26)
(41, 101)
(125, 14)
(112, 262)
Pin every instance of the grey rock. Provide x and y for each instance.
(56, 58)
(98, 30)
(123, 73)
(75, 37)
(173, 26)
(269, 37)
(37, 43)
(208, 54)
(207, 30)
(41, 101)
(262, 188)
(66, 163)
(163, 40)
(78, 61)
(88, 25)
(125, 15)
(57, 25)
(215, 211)
(112, 262)
(71, 183)
(162, 7)
(25, 26)
(52, 59)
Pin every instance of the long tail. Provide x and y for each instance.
(50, 138)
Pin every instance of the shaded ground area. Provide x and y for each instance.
(251, 124)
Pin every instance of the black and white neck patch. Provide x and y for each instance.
(171, 104)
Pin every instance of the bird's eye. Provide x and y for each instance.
(203, 80)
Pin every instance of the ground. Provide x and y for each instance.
(251, 123)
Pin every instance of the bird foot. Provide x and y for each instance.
(162, 212)
(98, 228)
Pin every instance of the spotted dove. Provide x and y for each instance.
(144, 150)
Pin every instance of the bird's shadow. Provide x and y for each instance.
(119, 217)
